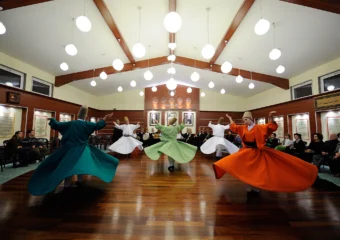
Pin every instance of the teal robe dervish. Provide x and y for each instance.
(180, 151)
(75, 156)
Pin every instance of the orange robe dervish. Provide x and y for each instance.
(264, 167)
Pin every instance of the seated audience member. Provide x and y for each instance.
(189, 137)
(272, 142)
(14, 147)
(200, 137)
(327, 152)
(334, 163)
(298, 147)
(34, 150)
(229, 136)
(238, 141)
(287, 142)
(314, 148)
(208, 135)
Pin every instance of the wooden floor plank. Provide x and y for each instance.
(145, 201)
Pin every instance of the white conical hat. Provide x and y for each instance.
(247, 115)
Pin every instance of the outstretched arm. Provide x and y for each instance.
(230, 119)
(272, 125)
(101, 124)
(59, 126)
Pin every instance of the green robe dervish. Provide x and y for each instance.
(75, 156)
(179, 151)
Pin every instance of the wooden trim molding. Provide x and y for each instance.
(242, 12)
(102, 7)
(328, 5)
(10, 4)
(172, 36)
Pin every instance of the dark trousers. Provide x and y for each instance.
(334, 166)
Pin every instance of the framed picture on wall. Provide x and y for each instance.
(154, 117)
(189, 119)
(170, 115)
(40, 126)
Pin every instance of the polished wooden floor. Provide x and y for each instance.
(145, 201)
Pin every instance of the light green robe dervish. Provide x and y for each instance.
(181, 152)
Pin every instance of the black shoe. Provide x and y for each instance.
(171, 168)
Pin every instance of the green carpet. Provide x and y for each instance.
(10, 172)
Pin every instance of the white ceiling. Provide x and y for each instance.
(182, 76)
(38, 33)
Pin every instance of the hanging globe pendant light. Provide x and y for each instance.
(83, 23)
(226, 67)
(2, 28)
(208, 51)
(275, 54)
(172, 22)
(118, 64)
(195, 76)
(262, 27)
(71, 50)
(138, 50)
(171, 84)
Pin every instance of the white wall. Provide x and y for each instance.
(17, 114)
(279, 95)
(66, 92)
(324, 123)
(301, 116)
(48, 128)
(129, 100)
(214, 101)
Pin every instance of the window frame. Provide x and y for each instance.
(21, 74)
(322, 83)
(43, 82)
(292, 88)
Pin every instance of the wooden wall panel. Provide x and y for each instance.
(36, 101)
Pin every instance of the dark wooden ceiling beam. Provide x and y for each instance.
(172, 36)
(68, 78)
(242, 12)
(276, 81)
(113, 27)
(279, 82)
(325, 5)
(10, 4)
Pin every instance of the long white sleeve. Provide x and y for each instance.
(226, 126)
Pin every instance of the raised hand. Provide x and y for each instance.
(107, 116)
(228, 116)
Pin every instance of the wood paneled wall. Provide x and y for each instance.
(35, 101)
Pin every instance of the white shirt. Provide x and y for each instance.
(288, 142)
(127, 128)
(218, 130)
(250, 127)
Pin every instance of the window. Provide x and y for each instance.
(41, 87)
(11, 77)
(302, 90)
(329, 82)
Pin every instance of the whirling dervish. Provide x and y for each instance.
(217, 142)
(127, 143)
(74, 157)
(262, 167)
(180, 152)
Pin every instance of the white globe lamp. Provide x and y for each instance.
(154, 89)
(172, 46)
(171, 70)
(189, 90)
(211, 85)
(83, 23)
(2, 28)
(208, 51)
(141, 93)
(133, 83)
(275, 54)
(280, 69)
(222, 91)
(172, 22)
(103, 75)
(171, 84)
(202, 94)
(172, 93)
(195, 76)
(93, 83)
(71, 50)
(118, 64)
(226, 67)
(120, 89)
(251, 85)
(239, 79)
(64, 66)
(138, 50)
(262, 27)
(148, 75)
